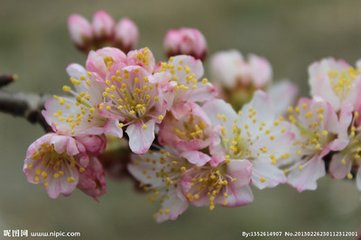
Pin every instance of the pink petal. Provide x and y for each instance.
(92, 181)
(60, 143)
(196, 157)
(261, 70)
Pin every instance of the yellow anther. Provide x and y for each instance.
(70, 179)
(66, 88)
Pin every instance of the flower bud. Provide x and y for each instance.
(103, 26)
(80, 31)
(189, 41)
(126, 34)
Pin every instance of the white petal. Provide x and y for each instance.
(141, 136)
(340, 165)
(306, 179)
(265, 175)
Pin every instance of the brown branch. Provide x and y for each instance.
(6, 80)
(25, 105)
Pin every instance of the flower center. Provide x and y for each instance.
(210, 182)
(191, 129)
(47, 163)
(129, 95)
(314, 134)
(342, 81)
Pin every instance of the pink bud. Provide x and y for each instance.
(103, 26)
(189, 41)
(126, 34)
(80, 31)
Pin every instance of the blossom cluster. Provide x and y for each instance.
(191, 147)
(102, 31)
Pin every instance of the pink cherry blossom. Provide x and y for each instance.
(335, 81)
(80, 115)
(80, 31)
(255, 134)
(225, 183)
(316, 127)
(142, 57)
(126, 34)
(229, 69)
(191, 130)
(187, 41)
(102, 60)
(133, 97)
(160, 172)
(346, 163)
(183, 73)
(56, 162)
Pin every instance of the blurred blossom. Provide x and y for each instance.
(81, 32)
(126, 34)
(103, 26)
(239, 78)
(188, 41)
(102, 32)
(230, 69)
(339, 83)
(335, 81)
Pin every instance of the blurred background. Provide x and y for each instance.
(34, 44)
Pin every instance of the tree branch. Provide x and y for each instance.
(25, 105)
(6, 80)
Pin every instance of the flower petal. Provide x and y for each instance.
(305, 177)
(196, 157)
(141, 136)
(340, 165)
(266, 175)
